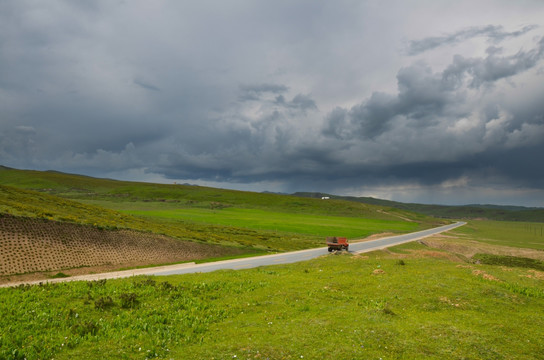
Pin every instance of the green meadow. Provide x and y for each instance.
(396, 304)
(299, 223)
(505, 233)
(406, 302)
(256, 221)
(133, 195)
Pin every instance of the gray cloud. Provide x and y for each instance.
(302, 95)
(255, 91)
(300, 101)
(146, 85)
(424, 97)
(493, 67)
(262, 88)
(493, 33)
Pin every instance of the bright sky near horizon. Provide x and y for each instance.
(416, 101)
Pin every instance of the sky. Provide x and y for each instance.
(425, 101)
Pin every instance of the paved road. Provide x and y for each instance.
(291, 257)
(247, 263)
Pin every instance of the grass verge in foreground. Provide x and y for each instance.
(336, 307)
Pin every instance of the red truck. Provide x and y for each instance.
(337, 243)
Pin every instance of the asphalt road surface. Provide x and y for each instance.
(247, 263)
(296, 256)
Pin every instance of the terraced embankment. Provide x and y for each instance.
(35, 245)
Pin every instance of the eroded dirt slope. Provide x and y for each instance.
(34, 245)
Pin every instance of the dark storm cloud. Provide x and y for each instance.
(422, 97)
(257, 140)
(425, 97)
(492, 32)
(287, 92)
(300, 101)
(367, 120)
(493, 67)
(442, 126)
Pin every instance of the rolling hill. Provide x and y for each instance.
(108, 192)
(471, 211)
(181, 218)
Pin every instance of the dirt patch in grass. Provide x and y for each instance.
(535, 274)
(374, 237)
(424, 253)
(359, 257)
(436, 255)
(445, 300)
(484, 275)
(32, 249)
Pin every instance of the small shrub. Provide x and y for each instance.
(400, 262)
(507, 260)
(166, 286)
(147, 282)
(387, 310)
(103, 303)
(59, 275)
(87, 327)
(128, 300)
(96, 283)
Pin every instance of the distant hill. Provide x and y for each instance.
(472, 211)
(79, 187)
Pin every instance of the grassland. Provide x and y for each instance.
(32, 204)
(409, 302)
(297, 223)
(115, 194)
(475, 211)
(254, 223)
(234, 218)
(26, 203)
(505, 233)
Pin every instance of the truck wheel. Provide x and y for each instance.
(330, 249)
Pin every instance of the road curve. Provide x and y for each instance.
(302, 255)
(247, 263)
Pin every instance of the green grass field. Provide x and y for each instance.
(120, 194)
(256, 219)
(260, 221)
(411, 302)
(505, 233)
(336, 307)
(249, 228)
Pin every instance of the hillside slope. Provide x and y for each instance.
(473, 211)
(117, 222)
(29, 245)
(78, 187)
(33, 204)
